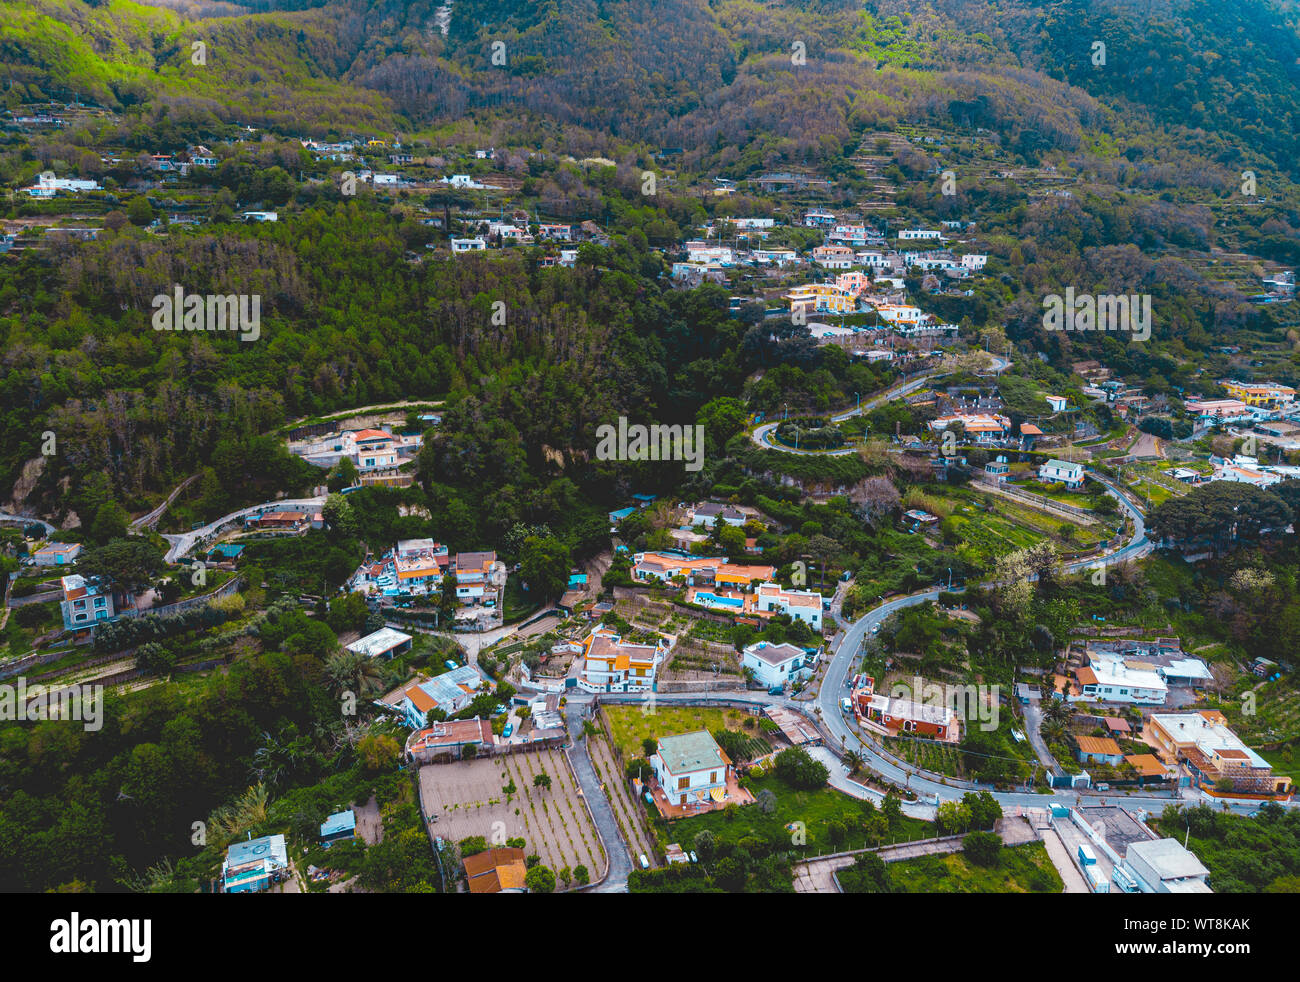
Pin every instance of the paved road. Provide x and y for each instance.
(28, 520)
(151, 519)
(764, 435)
(1060, 856)
(845, 658)
(620, 860)
(1033, 730)
(182, 544)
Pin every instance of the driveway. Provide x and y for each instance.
(1033, 730)
(616, 852)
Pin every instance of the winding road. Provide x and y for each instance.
(181, 545)
(765, 434)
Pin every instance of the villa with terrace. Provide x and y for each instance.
(613, 665)
(692, 775)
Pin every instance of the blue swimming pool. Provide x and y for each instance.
(713, 600)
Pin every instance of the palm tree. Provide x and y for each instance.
(349, 671)
(855, 761)
(1059, 711)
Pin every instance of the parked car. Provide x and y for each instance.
(645, 863)
(694, 858)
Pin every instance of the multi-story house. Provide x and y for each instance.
(613, 665)
(800, 605)
(775, 664)
(691, 767)
(472, 577)
(88, 601)
(1212, 752)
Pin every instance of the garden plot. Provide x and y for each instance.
(628, 813)
(476, 798)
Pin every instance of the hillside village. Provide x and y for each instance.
(954, 601)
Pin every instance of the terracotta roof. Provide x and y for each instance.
(496, 870)
(1147, 765)
(1117, 725)
(420, 699)
(1098, 745)
(365, 435)
(1086, 676)
(1029, 429)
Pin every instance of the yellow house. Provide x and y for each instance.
(821, 298)
(1268, 395)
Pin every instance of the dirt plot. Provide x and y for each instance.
(631, 816)
(469, 799)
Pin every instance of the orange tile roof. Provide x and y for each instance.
(364, 435)
(420, 699)
(1086, 676)
(496, 870)
(1147, 765)
(1098, 745)
(1029, 429)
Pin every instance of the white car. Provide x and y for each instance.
(645, 863)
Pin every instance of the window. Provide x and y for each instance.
(683, 782)
(713, 777)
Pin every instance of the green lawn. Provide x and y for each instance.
(629, 725)
(518, 604)
(1023, 869)
(813, 808)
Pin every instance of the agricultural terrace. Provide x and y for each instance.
(495, 797)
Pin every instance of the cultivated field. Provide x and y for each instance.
(471, 798)
(630, 815)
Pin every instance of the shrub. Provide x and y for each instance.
(983, 848)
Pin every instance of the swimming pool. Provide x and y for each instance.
(713, 600)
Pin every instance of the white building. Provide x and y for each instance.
(912, 234)
(1110, 678)
(1164, 866)
(702, 252)
(801, 605)
(691, 767)
(1061, 472)
(384, 643)
(468, 245)
(974, 261)
(773, 257)
(47, 184)
(450, 692)
(612, 665)
(774, 664)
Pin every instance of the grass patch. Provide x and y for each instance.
(1023, 869)
(814, 808)
(629, 725)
